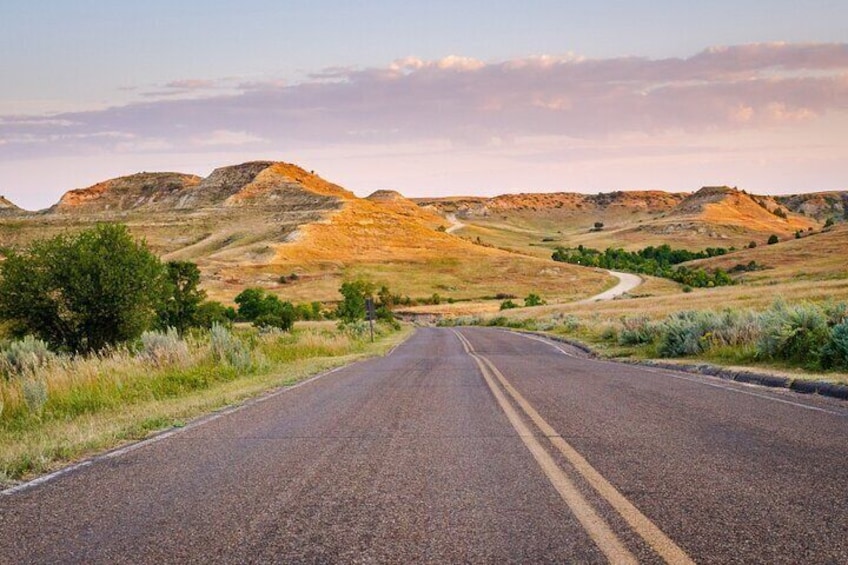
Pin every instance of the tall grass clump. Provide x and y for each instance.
(164, 349)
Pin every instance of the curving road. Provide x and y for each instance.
(626, 283)
(469, 445)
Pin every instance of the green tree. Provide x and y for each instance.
(508, 305)
(773, 239)
(83, 292)
(265, 310)
(185, 296)
(249, 303)
(210, 313)
(352, 306)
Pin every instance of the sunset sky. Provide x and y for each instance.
(429, 98)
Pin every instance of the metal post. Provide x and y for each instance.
(369, 309)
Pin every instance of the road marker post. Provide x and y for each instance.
(369, 310)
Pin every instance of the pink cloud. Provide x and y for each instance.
(470, 104)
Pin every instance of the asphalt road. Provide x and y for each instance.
(470, 445)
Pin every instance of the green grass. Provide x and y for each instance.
(96, 403)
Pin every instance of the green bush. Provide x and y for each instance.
(773, 239)
(533, 299)
(508, 305)
(794, 333)
(835, 352)
(82, 292)
(637, 330)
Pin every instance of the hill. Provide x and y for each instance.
(259, 222)
(538, 223)
(7, 208)
(819, 205)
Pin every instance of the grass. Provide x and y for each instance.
(70, 408)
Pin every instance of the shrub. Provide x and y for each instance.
(773, 239)
(23, 358)
(681, 335)
(637, 330)
(533, 299)
(508, 305)
(794, 333)
(227, 348)
(835, 352)
(752, 245)
(82, 292)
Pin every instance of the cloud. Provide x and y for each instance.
(466, 101)
(223, 137)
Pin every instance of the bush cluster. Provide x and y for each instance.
(805, 334)
(659, 261)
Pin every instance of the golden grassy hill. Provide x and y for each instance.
(259, 222)
(537, 223)
(815, 257)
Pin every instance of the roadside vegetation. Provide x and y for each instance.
(104, 343)
(807, 336)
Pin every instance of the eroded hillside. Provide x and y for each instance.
(260, 222)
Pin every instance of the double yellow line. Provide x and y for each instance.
(597, 528)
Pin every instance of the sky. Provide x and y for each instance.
(428, 98)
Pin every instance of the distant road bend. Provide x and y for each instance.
(626, 283)
(465, 445)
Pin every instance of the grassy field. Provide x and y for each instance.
(65, 408)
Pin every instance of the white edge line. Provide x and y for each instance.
(202, 420)
(697, 379)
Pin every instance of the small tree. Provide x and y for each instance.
(83, 292)
(181, 306)
(752, 245)
(352, 306)
(773, 239)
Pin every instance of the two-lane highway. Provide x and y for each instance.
(468, 445)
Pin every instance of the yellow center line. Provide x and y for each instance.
(592, 522)
(641, 524)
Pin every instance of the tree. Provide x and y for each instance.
(83, 292)
(181, 306)
(210, 313)
(773, 239)
(828, 223)
(265, 310)
(352, 306)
